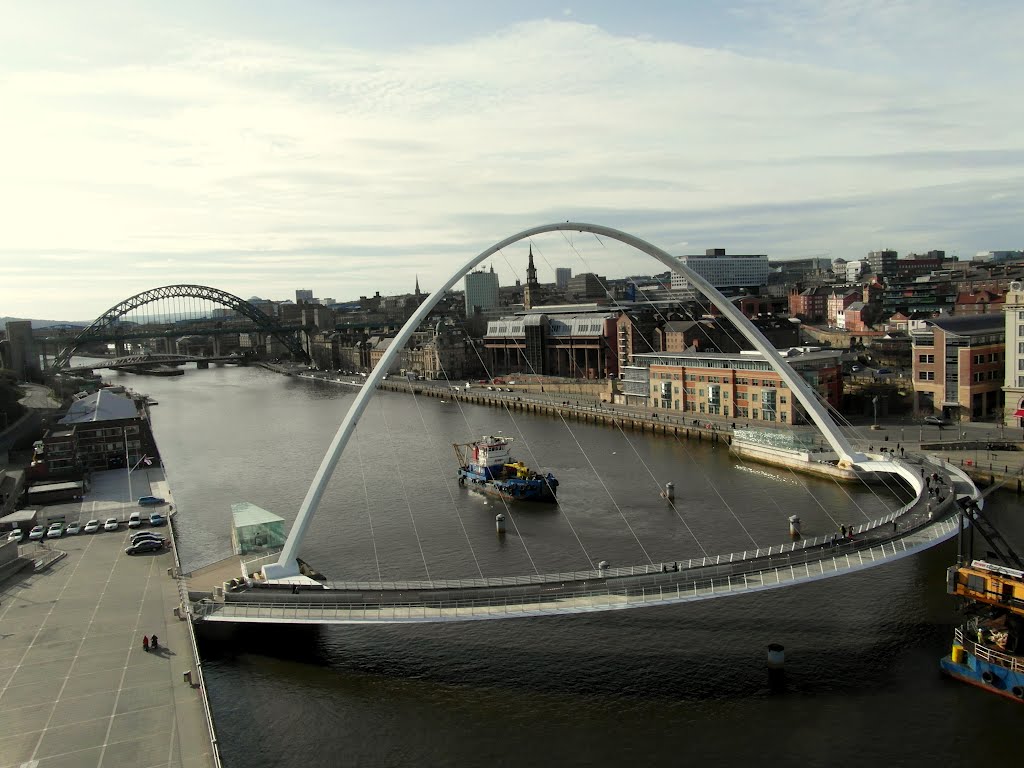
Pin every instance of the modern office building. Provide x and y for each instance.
(562, 275)
(882, 262)
(21, 354)
(303, 295)
(723, 270)
(958, 366)
(587, 285)
(481, 291)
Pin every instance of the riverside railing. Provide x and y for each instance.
(608, 597)
(188, 612)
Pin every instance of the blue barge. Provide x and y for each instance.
(988, 650)
(486, 466)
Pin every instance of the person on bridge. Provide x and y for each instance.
(145, 643)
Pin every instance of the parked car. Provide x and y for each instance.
(16, 535)
(149, 537)
(938, 421)
(36, 533)
(73, 528)
(92, 526)
(134, 520)
(55, 531)
(139, 535)
(111, 524)
(856, 368)
(151, 501)
(146, 545)
(156, 519)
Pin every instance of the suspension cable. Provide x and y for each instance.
(405, 493)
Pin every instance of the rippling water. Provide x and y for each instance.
(675, 684)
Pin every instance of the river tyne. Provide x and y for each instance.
(668, 685)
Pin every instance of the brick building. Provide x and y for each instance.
(737, 386)
(959, 366)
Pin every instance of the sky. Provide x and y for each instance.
(351, 147)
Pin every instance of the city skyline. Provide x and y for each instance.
(348, 148)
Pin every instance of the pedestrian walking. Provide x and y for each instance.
(155, 643)
(842, 530)
(145, 643)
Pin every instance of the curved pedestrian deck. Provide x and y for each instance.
(916, 526)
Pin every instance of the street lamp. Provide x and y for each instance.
(874, 403)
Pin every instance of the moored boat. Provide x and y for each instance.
(988, 649)
(486, 466)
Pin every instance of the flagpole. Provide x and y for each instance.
(128, 465)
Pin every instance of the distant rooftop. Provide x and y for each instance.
(966, 325)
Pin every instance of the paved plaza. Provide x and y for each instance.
(76, 687)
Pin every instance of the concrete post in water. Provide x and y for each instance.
(794, 527)
(776, 666)
(670, 491)
(499, 524)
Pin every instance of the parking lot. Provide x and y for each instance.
(76, 687)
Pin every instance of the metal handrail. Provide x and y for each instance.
(1013, 663)
(555, 602)
(187, 606)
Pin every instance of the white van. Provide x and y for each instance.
(134, 520)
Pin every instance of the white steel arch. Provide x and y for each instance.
(287, 564)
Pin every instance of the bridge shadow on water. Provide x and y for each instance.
(673, 656)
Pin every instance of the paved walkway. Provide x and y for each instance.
(38, 396)
(76, 688)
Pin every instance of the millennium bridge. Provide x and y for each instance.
(275, 590)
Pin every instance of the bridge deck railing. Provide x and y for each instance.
(609, 596)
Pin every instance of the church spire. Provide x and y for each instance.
(531, 271)
(417, 285)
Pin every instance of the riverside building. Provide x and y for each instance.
(737, 386)
(958, 366)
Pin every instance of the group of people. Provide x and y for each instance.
(891, 451)
(150, 642)
(933, 483)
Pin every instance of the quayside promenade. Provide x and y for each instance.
(76, 687)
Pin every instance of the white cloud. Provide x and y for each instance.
(336, 165)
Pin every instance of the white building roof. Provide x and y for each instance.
(101, 406)
(246, 514)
